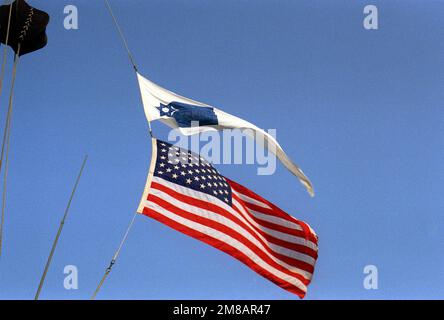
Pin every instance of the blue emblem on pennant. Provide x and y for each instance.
(185, 113)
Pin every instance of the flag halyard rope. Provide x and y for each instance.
(114, 259)
(122, 242)
(122, 36)
(125, 44)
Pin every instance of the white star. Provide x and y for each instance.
(168, 169)
(162, 164)
(202, 186)
(188, 181)
(182, 173)
(160, 172)
(196, 178)
(215, 192)
(176, 167)
(175, 176)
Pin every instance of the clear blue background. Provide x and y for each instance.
(360, 111)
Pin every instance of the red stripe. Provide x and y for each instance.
(236, 235)
(235, 253)
(270, 225)
(286, 244)
(240, 188)
(306, 233)
(274, 211)
(215, 208)
(219, 210)
(290, 260)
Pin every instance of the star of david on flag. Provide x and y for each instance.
(180, 112)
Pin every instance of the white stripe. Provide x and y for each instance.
(234, 226)
(275, 233)
(291, 222)
(209, 198)
(230, 241)
(251, 200)
(219, 218)
(276, 220)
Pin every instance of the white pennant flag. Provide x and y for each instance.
(179, 112)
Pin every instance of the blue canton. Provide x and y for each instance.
(190, 170)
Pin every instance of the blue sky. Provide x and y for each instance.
(360, 111)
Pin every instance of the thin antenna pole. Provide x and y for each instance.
(125, 43)
(5, 50)
(6, 142)
(62, 223)
(116, 255)
(122, 36)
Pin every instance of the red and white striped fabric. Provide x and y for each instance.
(193, 198)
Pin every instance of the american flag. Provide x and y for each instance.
(186, 193)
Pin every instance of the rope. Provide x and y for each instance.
(125, 43)
(113, 260)
(122, 36)
(116, 254)
(6, 142)
(62, 223)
